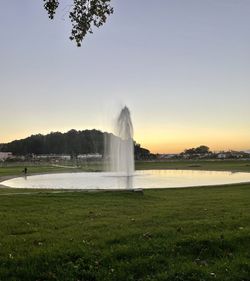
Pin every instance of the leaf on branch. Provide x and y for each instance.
(84, 15)
(51, 6)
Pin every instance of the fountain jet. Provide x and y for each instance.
(121, 147)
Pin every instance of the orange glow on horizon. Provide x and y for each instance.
(174, 142)
(178, 141)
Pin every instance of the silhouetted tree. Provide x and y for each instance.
(83, 14)
(71, 143)
(142, 153)
(198, 150)
(203, 149)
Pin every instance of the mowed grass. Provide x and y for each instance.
(210, 165)
(17, 170)
(174, 235)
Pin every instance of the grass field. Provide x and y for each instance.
(215, 165)
(211, 165)
(195, 234)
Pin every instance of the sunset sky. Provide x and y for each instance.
(182, 67)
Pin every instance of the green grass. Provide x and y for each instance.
(211, 165)
(17, 169)
(184, 234)
(194, 234)
(216, 165)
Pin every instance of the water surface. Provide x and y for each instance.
(142, 179)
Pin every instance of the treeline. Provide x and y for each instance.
(142, 153)
(71, 143)
(202, 149)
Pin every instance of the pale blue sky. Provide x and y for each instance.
(181, 66)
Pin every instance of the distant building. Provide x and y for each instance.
(232, 155)
(221, 155)
(89, 156)
(52, 157)
(166, 156)
(5, 155)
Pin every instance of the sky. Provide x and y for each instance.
(182, 67)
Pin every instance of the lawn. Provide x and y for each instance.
(214, 165)
(211, 165)
(17, 169)
(194, 234)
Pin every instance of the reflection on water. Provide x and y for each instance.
(141, 179)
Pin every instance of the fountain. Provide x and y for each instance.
(122, 145)
(120, 149)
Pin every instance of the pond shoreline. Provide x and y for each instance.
(144, 179)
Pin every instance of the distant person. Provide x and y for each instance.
(25, 171)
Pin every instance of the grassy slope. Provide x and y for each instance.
(226, 165)
(174, 235)
(214, 165)
(185, 234)
(229, 165)
(16, 170)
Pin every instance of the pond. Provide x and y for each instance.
(142, 179)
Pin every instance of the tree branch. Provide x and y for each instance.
(84, 15)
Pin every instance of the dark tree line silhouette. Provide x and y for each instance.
(71, 143)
